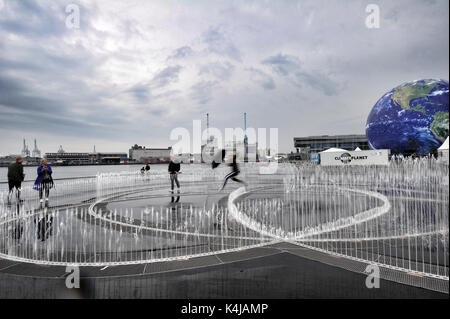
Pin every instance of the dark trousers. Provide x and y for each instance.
(14, 184)
(45, 187)
(232, 176)
(174, 178)
(45, 227)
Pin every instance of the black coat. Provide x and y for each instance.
(174, 167)
(15, 172)
(234, 165)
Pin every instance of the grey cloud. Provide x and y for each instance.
(51, 123)
(220, 44)
(156, 112)
(25, 107)
(167, 95)
(291, 68)
(32, 19)
(392, 15)
(283, 64)
(132, 29)
(44, 62)
(26, 110)
(202, 91)
(263, 79)
(319, 82)
(166, 76)
(76, 83)
(140, 92)
(181, 53)
(14, 94)
(222, 71)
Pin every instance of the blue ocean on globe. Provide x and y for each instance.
(412, 118)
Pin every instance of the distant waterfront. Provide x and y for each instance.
(60, 172)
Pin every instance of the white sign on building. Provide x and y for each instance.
(349, 158)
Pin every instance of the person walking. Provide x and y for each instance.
(174, 170)
(234, 172)
(44, 181)
(15, 177)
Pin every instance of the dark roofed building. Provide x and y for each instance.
(317, 144)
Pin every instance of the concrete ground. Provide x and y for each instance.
(278, 271)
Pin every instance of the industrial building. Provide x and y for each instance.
(69, 158)
(313, 145)
(141, 154)
(109, 158)
(65, 158)
(61, 157)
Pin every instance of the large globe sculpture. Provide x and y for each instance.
(412, 118)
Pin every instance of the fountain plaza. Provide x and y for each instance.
(305, 231)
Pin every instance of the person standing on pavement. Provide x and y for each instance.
(44, 181)
(15, 177)
(174, 170)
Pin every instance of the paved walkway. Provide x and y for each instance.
(277, 271)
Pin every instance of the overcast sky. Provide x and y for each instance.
(135, 70)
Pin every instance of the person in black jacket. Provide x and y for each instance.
(15, 177)
(234, 172)
(174, 170)
(218, 159)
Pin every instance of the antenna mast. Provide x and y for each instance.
(207, 128)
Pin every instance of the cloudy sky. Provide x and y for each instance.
(134, 70)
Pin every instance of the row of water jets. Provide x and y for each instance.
(79, 227)
(396, 216)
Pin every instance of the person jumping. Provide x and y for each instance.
(234, 172)
(218, 159)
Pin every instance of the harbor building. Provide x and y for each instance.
(141, 154)
(109, 158)
(313, 145)
(60, 158)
